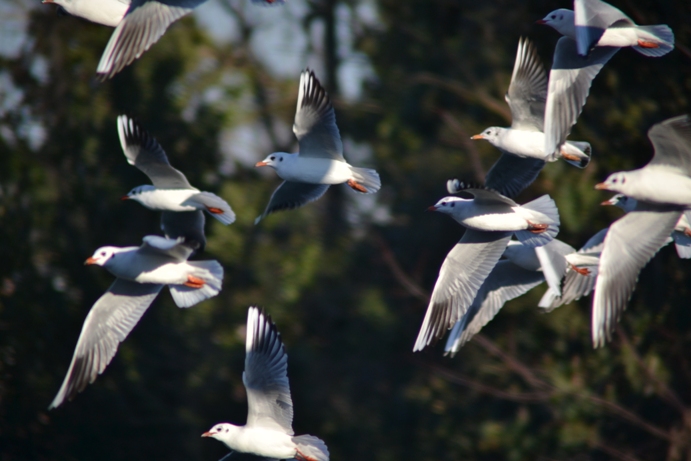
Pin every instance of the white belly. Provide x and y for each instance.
(168, 199)
(489, 218)
(264, 442)
(106, 12)
(659, 186)
(524, 143)
(316, 171)
(619, 37)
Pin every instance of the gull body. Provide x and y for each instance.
(268, 432)
(292, 167)
(644, 184)
(106, 12)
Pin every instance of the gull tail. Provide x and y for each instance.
(683, 244)
(540, 211)
(209, 271)
(311, 448)
(215, 205)
(577, 153)
(660, 35)
(367, 178)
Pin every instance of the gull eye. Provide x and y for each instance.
(273, 158)
(554, 16)
(103, 253)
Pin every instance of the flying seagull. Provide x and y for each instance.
(319, 162)
(269, 429)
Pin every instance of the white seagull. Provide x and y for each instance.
(490, 219)
(141, 273)
(526, 97)
(106, 12)
(663, 191)
(594, 23)
(523, 269)
(170, 190)
(144, 23)
(269, 429)
(319, 163)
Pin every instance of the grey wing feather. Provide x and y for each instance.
(630, 243)
(315, 121)
(507, 281)
(266, 375)
(511, 174)
(591, 19)
(528, 89)
(574, 287)
(489, 197)
(596, 243)
(672, 142)
(552, 258)
(108, 323)
(290, 195)
(464, 270)
(145, 22)
(143, 151)
(155, 245)
(188, 225)
(569, 85)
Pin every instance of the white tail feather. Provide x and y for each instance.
(367, 178)
(661, 35)
(312, 447)
(209, 271)
(209, 201)
(542, 210)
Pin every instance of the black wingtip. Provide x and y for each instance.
(454, 186)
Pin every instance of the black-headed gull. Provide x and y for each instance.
(141, 273)
(523, 269)
(319, 162)
(269, 429)
(106, 12)
(527, 97)
(594, 23)
(663, 190)
(144, 23)
(490, 219)
(170, 190)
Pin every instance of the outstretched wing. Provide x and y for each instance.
(528, 89)
(672, 142)
(290, 195)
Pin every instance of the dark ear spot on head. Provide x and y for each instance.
(453, 205)
(281, 159)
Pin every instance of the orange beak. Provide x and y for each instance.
(606, 202)
(477, 136)
(432, 208)
(601, 186)
(125, 197)
(262, 163)
(47, 1)
(540, 21)
(208, 434)
(89, 261)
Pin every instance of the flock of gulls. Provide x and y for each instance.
(484, 270)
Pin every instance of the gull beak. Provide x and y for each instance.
(208, 434)
(477, 136)
(540, 21)
(262, 163)
(47, 1)
(125, 197)
(432, 208)
(89, 261)
(601, 186)
(607, 202)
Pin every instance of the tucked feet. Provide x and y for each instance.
(580, 270)
(537, 228)
(214, 210)
(299, 455)
(194, 282)
(356, 186)
(645, 44)
(572, 157)
(687, 232)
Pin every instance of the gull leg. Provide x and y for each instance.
(194, 282)
(302, 457)
(214, 210)
(646, 44)
(537, 228)
(687, 232)
(355, 186)
(580, 270)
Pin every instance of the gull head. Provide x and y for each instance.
(275, 160)
(222, 431)
(615, 182)
(447, 205)
(102, 256)
(622, 201)
(491, 134)
(562, 20)
(138, 192)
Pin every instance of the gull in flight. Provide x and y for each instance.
(491, 219)
(527, 96)
(319, 163)
(269, 429)
(662, 189)
(141, 273)
(170, 190)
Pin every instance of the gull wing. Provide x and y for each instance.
(188, 225)
(552, 258)
(672, 143)
(155, 245)
(266, 375)
(528, 89)
(108, 323)
(592, 18)
(290, 195)
(510, 174)
(631, 242)
(315, 121)
(144, 152)
(569, 85)
(506, 282)
(145, 22)
(464, 270)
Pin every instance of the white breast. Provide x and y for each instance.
(263, 442)
(315, 171)
(106, 12)
(523, 143)
(167, 199)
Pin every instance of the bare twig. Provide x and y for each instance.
(464, 138)
(399, 274)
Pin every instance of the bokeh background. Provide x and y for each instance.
(347, 278)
